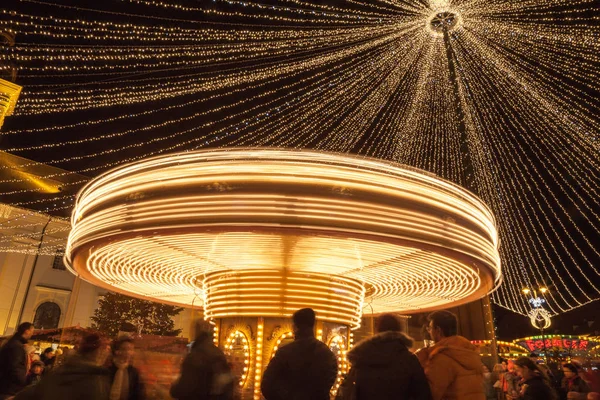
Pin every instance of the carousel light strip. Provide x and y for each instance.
(385, 286)
(342, 361)
(416, 241)
(258, 358)
(277, 293)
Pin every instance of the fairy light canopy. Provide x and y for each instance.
(499, 94)
(263, 232)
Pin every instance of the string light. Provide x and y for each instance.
(258, 358)
(233, 338)
(527, 76)
(336, 344)
(281, 338)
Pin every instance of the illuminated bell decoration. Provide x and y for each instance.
(264, 232)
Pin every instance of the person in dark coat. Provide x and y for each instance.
(35, 373)
(14, 361)
(81, 377)
(573, 386)
(384, 368)
(535, 384)
(126, 382)
(205, 373)
(48, 357)
(305, 369)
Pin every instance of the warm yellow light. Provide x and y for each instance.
(9, 94)
(525, 291)
(543, 290)
(234, 335)
(235, 224)
(258, 358)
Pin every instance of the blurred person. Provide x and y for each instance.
(48, 357)
(58, 356)
(556, 376)
(383, 368)
(545, 368)
(29, 352)
(423, 353)
(14, 361)
(498, 378)
(35, 373)
(81, 377)
(510, 382)
(205, 373)
(589, 376)
(453, 366)
(237, 390)
(573, 386)
(488, 383)
(594, 380)
(535, 384)
(305, 369)
(125, 378)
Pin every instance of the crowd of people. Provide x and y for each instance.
(381, 367)
(567, 380)
(97, 370)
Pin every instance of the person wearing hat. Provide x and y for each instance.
(305, 369)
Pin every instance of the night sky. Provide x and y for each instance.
(528, 77)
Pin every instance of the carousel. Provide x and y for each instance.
(252, 235)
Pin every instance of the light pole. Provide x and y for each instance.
(538, 316)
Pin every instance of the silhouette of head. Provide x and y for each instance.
(442, 324)
(304, 319)
(25, 330)
(388, 322)
(94, 348)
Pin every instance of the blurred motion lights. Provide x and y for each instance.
(262, 232)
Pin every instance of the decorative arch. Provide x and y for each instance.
(287, 335)
(237, 347)
(337, 344)
(47, 316)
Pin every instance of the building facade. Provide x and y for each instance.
(35, 285)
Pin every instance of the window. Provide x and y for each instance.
(47, 316)
(58, 260)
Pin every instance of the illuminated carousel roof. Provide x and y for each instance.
(189, 227)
